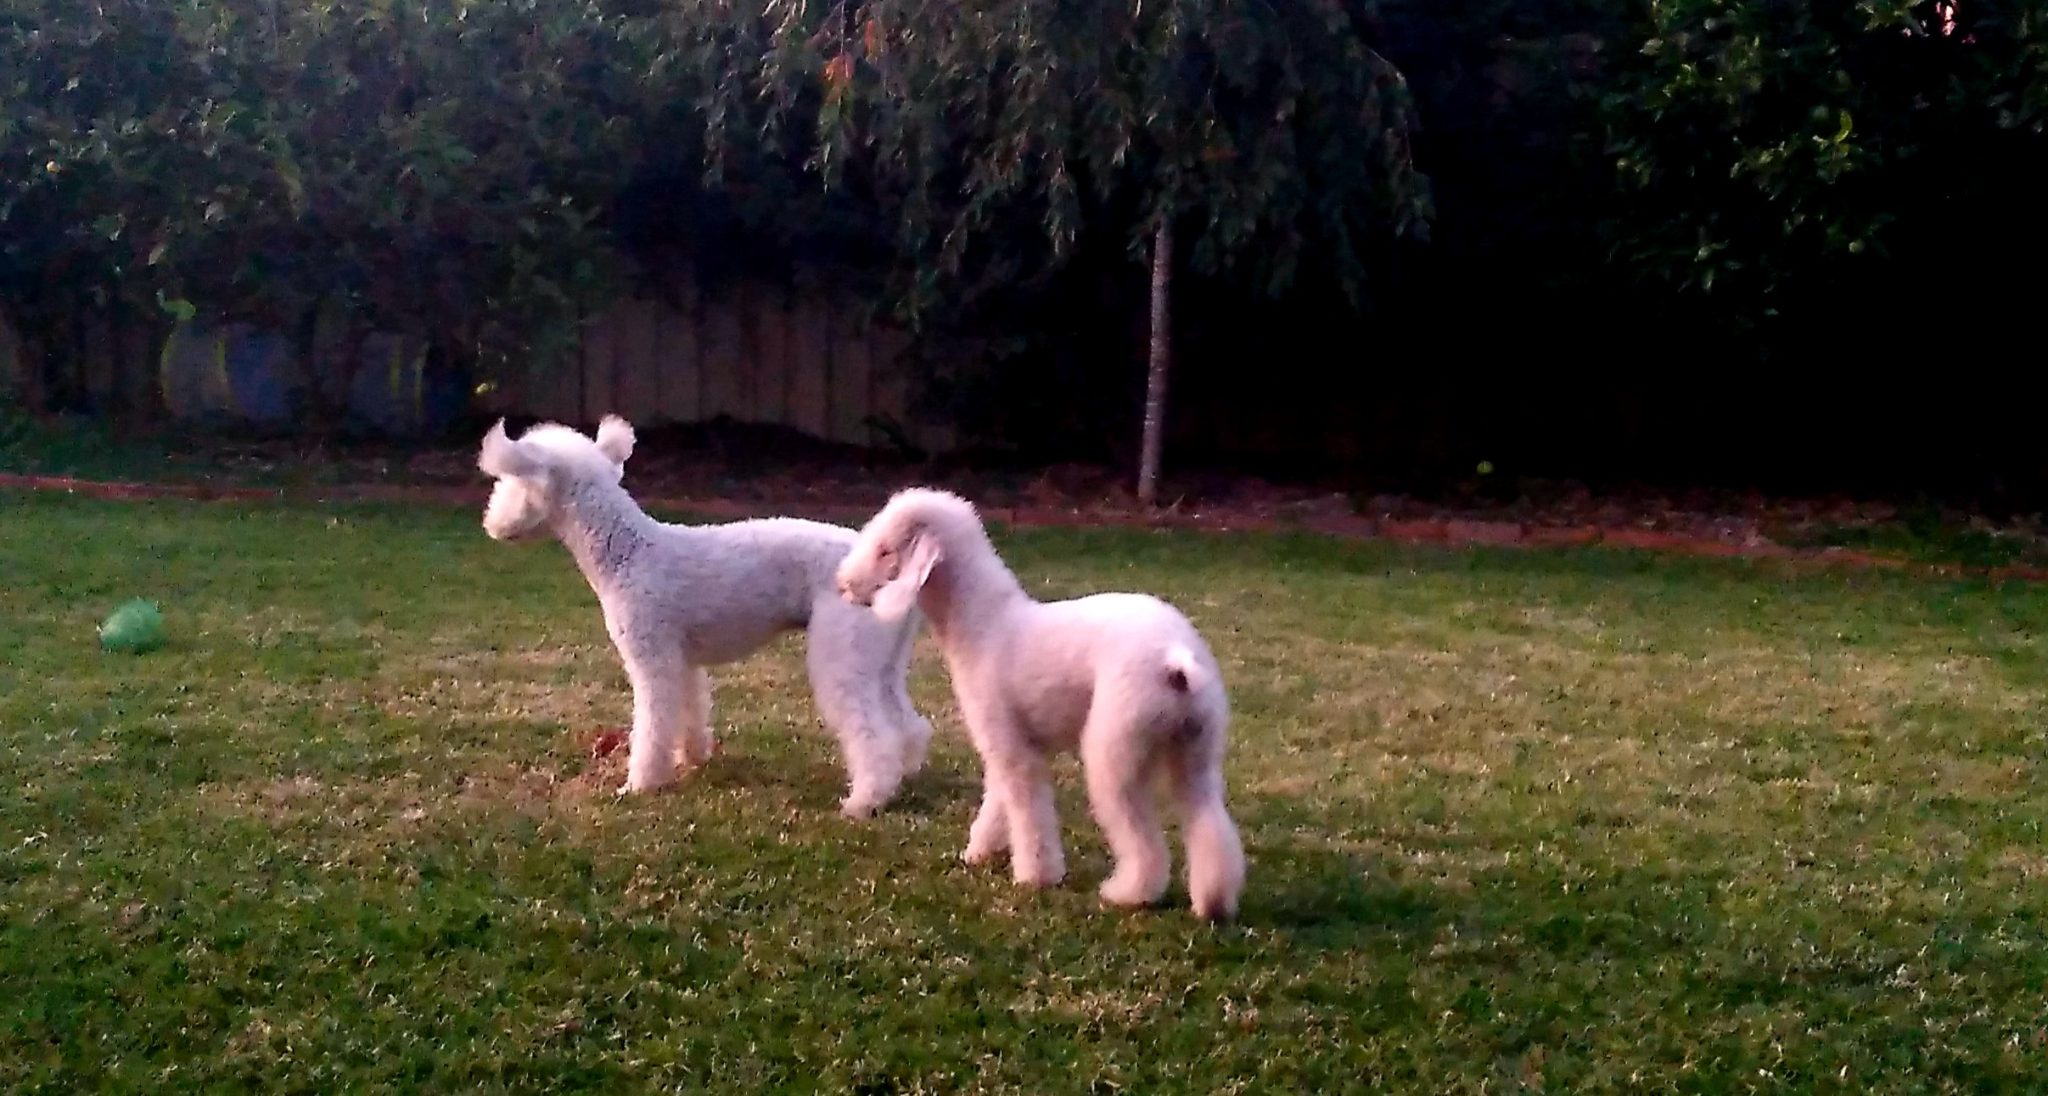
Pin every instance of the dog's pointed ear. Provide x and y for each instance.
(615, 438)
(895, 599)
(501, 456)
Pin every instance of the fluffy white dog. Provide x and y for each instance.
(679, 598)
(1123, 678)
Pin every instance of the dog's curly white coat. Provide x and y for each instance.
(679, 598)
(1123, 678)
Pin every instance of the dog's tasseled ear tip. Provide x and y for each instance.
(494, 440)
(499, 455)
(615, 438)
(899, 595)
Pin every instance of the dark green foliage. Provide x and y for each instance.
(435, 166)
(446, 167)
(1761, 148)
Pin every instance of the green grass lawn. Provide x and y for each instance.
(1548, 822)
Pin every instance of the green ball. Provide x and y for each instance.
(135, 628)
(1486, 468)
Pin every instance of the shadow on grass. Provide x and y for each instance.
(817, 784)
(1327, 900)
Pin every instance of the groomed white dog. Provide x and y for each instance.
(1123, 678)
(679, 598)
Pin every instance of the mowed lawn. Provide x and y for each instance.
(1572, 822)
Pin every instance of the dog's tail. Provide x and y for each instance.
(1184, 673)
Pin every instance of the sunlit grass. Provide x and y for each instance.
(1563, 822)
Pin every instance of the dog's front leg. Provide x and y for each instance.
(660, 705)
(1019, 793)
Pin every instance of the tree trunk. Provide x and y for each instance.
(1160, 359)
(21, 368)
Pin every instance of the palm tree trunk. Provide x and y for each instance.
(1161, 358)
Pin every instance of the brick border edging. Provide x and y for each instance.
(1452, 532)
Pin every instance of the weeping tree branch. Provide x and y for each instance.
(997, 135)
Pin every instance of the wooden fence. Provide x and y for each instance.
(767, 354)
(757, 354)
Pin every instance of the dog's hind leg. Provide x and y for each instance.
(914, 731)
(698, 741)
(858, 701)
(1120, 767)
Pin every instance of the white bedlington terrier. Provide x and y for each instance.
(1122, 677)
(678, 598)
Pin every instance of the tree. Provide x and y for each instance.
(1271, 137)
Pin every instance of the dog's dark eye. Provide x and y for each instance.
(887, 552)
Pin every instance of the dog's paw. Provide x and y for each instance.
(1038, 875)
(696, 755)
(859, 809)
(1130, 892)
(641, 785)
(978, 855)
